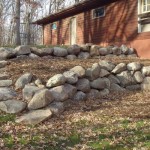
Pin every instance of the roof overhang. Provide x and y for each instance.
(75, 9)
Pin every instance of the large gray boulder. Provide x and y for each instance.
(79, 70)
(23, 80)
(3, 63)
(116, 88)
(6, 53)
(138, 77)
(12, 106)
(104, 92)
(135, 87)
(94, 50)
(60, 52)
(74, 49)
(109, 66)
(116, 50)
(103, 51)
(124, 49)
(119, 68)
(29, 91)
(5, 83)
(83, 85)
(63, 92)
(83, 55)
(134, 66)
(41, 99)
(146, 84)
(56, 80)
(42, 52)
(33, 56)
(71, 57)
(57, 108)
(93, 94)
(126, 78)
(34, 117)
(93, 73)
(104, 73)
(146, 70)
(22, 50)
(7, 94)
(100, 83)
(85, 48)
(79, 96)
(71, 77)
(113, 79)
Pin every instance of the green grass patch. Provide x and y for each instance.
(7, 117)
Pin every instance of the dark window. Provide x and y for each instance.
(99, 12)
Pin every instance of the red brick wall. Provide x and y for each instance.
(119, 25)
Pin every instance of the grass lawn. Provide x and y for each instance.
(119, 121)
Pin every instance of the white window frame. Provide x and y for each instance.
(142, 7)
(99, 16)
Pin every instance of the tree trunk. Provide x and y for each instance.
(17, 20)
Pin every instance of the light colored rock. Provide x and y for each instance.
(138, 77)
(34, 117)
(60, 52)
(116, 50)
(71, 77)
(136, 87)
(146, 84)
(93, 73)
(104, 73)
(79, 70)
(84, 55)
(146, 70)
(41, 52)
(57, 108)
(131, 51)
(33, 56)
(79, 96)
(12, 106)
(103, 51)
(134, 66)
(6, 53)
(113, 79)
(56, 80)
(22, 50)
(104, 92)
(23, 80)
(5, 83)
(85, 48)
(116, 87)
(38, 82)
(3, 63)
(94, 50)
(124, 49)
(41, 99)
(63, 92)
(29, 91)
(100, 83)
(126, 78)
(7, 94)
(83, 85)
(109, 66)
(74, 49)
(71, 57)
(119, 68)
(93, 94)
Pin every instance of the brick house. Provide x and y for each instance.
(101, 22)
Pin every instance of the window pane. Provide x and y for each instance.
(148, 7)
(144, 2)
(99, 12)
(148, 1)
(144, 8)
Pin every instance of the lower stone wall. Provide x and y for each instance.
(77, 84)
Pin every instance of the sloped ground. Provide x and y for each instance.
(120, 121)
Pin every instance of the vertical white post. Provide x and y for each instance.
(139, 12)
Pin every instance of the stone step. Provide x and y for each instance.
(3, 64)
(5, 83)
(4, 76)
